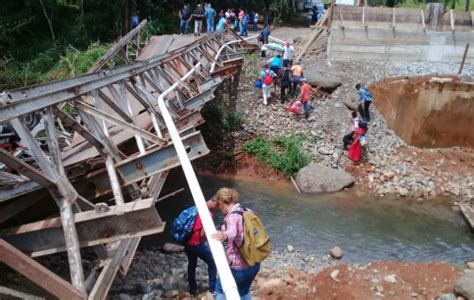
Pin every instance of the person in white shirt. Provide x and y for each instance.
(255, 22)
(287, 54)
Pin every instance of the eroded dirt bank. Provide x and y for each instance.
(376, 280)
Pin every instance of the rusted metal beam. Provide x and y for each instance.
(35, 272)
(117, 122)
(143, 166)
(25, 169)
(9, 293)
(117, 47)
(93, 227)
(111, 266)
(28, 100)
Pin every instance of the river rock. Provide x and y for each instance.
(318, 178)
(172, 248)
(290, 248)
(272, 283)
(352, 102)
(336, 252)
(446, 297)
(465, 285)
(124, 297)
(470, 264)
(316, 78)
(392, 278)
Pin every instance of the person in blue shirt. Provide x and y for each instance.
(266, 34)
(221, 24)
(210, 15)
(135, 20)
(245, 25)
(365, 101)
(275, 63)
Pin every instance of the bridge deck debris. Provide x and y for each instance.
(104, 159)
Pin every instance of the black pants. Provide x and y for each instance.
(364, 111)
(287, 62)
(348, 139)
(284, 86)
(203, 252)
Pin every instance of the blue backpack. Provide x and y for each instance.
(183, 224)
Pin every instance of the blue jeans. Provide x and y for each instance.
(243, 279)
(255, 26)
(306, 108)
(210, 25)
(184, 26)
(245, 29)
(203, 252)
(241, 28)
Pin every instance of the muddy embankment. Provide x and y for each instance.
(428, 112)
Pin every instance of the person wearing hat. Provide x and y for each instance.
(198, 16)
(287, 54)
(305, 96)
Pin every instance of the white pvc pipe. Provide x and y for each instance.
(217, 249)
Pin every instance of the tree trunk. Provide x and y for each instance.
(468, 5)
(53, 37)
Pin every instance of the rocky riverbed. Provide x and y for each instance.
(389, 166)
(161, 272)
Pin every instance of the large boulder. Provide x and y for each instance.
(464, 286)
(352, 102)
(316, 78)
(317, 178)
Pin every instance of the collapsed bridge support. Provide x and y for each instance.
(105, 170)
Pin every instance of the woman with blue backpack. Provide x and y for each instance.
(188, 229)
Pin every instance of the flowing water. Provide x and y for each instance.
(366, 228)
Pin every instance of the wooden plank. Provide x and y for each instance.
(34, 271)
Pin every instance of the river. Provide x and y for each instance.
(365, 227)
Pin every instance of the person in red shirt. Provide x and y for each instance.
(305, 96)
(197, 247)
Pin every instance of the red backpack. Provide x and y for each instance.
(267, 80)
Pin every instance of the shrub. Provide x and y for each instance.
(283, 153)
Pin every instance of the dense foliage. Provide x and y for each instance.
(283, 153)
(40, 37)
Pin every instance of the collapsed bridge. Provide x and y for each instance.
(97, 176)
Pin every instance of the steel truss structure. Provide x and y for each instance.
(104, 159)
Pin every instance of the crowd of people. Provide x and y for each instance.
(280, 71)
(230, 19)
